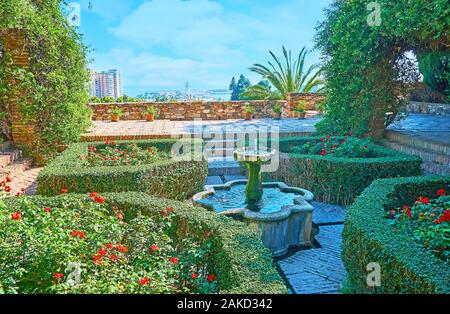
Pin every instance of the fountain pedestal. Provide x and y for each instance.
(281, 214)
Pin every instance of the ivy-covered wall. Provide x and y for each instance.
(50, 93)
(361, 42)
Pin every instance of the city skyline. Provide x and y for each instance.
(159, 45)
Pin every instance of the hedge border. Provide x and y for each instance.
(169, 178)
(406, 267)
(407, 166)
(242, 264)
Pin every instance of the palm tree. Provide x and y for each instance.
(288, 76)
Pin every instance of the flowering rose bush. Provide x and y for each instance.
(350, 147)
(76, 245)
(427, 221)
(5, 187)
(113, 154)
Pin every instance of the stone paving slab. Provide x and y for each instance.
(319, 270)
(166, 128)
(232, 178)
(428, 127)
(327, 214)
(25, 182)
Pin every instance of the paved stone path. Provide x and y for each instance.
(317, 270)
(165, 128)
(428, 127)
(26, 182)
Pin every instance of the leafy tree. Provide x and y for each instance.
(51, 93)
(435, 69)
(239, 87)
(289, 75)
(360, 50)
(108, 99)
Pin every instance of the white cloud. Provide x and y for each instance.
(164, 43)
(144, 70)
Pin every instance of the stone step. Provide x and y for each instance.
(426, 155)
(418, 142)
(435, 168)
(223, 166)
(15, 169)
(8, 157)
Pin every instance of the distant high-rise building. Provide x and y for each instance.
(187, 91)
(106, 83)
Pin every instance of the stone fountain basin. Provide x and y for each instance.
(291, 227)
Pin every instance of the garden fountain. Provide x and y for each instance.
(281, 214)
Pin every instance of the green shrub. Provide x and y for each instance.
(339, 180)
(227, 256)
(427, 221)
(166, 178)
(406, 266)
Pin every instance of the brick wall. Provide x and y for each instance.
(310, 99)
(22, 131)
(205, 110)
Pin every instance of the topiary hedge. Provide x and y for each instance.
(406, 267)
(166, 178)
(339, 180)
(237, 256)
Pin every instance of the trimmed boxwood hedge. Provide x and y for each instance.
(240, 261)
(340, 180)
(406, 267)
(168, 178)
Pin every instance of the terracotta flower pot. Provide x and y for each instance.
(150, 117)
(277, 115)
(115, 118)
(247, 116)
(300, 115)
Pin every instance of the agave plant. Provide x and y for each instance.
(287, 76)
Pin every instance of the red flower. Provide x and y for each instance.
(93, 194)
(164, 213)
(425, 200)
(445, 217)
(441, 192)
(211, 278)
(174, 260)
(350, 133)
(122, 248)
(154, 248)
(328, 136)
(99, 199)
(79, 234)
(16, 216)
(144, 281)
(194, 276)
(47, 209)
(322, 139)
(113, 257)
(8, 179)
(64, 191)
(393, 212)
(102, 252)
(7, 189)
(323, 153)
(109, 245)
(91, 149)
(169, 209)
(58, 275)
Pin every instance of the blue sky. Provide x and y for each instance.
(161, 44)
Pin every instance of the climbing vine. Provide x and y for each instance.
(361, 56)
(52, 92)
